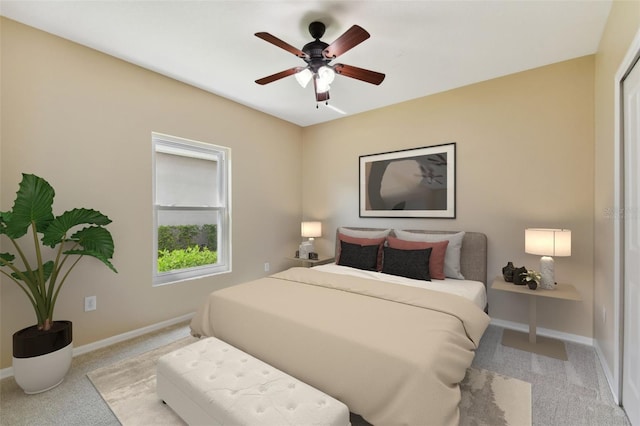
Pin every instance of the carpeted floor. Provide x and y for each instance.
(572, 392)
(75, 402)
(129, 389)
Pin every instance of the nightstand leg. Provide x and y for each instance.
(532, 319)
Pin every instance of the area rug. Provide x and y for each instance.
(129, 388)
(491, 399)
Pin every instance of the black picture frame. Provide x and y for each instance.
(416, 182)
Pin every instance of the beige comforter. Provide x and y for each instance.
(391, 353)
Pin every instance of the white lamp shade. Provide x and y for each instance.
(304, 77)
(311, 229)
(326, 76)
(547, 242)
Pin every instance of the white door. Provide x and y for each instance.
(631, 349)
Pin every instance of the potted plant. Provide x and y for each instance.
(42, 352)
(532, 278)
(519, 275)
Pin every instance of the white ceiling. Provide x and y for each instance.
(423, 47)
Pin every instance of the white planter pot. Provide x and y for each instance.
(41, 360)
(41, 373)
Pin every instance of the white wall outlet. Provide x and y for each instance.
(604, 314)
(90, 303)
(267, 266)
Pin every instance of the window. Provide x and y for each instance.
(191, 211)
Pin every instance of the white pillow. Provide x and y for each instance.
(358, 233)
(451, 257)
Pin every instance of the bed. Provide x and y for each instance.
(393, 352)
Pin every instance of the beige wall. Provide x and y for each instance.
(622, 26)
(525, 146)
(525, 155)
(83, 120)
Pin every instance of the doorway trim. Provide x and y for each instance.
(630, 58)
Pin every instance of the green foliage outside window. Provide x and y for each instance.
(185, 258)
(211, 234)
(186, 246)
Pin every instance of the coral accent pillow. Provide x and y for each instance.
(363, 242)
(436, 260)
(454, 249)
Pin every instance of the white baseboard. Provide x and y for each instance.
(607, 373)
(574, 338)
(80, 350)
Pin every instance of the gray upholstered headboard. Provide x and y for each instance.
(473, 255)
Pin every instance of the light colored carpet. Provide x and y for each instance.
(563, 393)
(128, 387)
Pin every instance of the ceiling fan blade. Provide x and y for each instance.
(351, 38)
(281, 44)
(359, 73)
(279, 75)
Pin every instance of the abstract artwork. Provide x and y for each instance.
(418, 182)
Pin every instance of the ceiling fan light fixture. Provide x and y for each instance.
(325, 77)
(304, 77)
(318, 55)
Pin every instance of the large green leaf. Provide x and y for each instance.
(4, 218)
(95, 239)
(47, 268)
(7, 257)
(95, 254)
(57, 229)
(33, 203)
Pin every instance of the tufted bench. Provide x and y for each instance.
(210, 382)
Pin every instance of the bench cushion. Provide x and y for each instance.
(212, 382)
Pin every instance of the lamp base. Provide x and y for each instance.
(311, 247)
(305, 248)
(547, 280)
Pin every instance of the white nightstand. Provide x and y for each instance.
(531, 342)
(309, 262)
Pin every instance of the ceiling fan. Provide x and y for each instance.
(318, 55)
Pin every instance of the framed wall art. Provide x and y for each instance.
(418, 182)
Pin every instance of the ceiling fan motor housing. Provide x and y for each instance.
(315, 57)
(316, 29)
(314, 49)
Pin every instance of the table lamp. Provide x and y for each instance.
(547, 243)
(311, 230)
